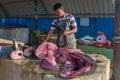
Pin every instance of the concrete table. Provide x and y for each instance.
(28, 70)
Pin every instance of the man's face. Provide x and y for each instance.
(59, 12)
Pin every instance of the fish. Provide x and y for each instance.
(75, 61)
(15, 45)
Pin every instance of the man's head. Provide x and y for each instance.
(59, 10)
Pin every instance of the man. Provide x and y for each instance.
(66, 27)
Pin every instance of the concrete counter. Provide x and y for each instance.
(29, 69)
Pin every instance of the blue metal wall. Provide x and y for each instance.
(30, 23)
(44, 24)
(12, 21)
(2, 21)
(86, 30)
(95, 24)
(107, 26)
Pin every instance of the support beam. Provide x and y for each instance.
(111, 15)
(116, 57)
(43, 6)
(3, 9)
(14, 2)
(36, 14)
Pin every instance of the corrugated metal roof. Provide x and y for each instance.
(1, 13)
(81, 8)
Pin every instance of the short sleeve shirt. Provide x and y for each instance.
(66, 16)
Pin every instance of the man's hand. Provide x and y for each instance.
(73, 30)
(66, 33)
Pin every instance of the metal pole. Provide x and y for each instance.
(36, 14)
(34, 35)
(116, 56)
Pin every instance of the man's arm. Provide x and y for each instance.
(73, 30)
(49, 35)
(51, 30)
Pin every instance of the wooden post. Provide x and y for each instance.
(116, 56)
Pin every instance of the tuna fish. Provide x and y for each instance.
(17, 54)
(43, 49)
(27, 51)
(77, 64)
(20, 52)
(75, 61)
(15, 45)
(46, 52)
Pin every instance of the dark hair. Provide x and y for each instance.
(57, 6)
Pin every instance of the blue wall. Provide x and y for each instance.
(95, 24)
(86, 30)
(107, 26)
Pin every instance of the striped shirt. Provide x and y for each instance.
(67, 16)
